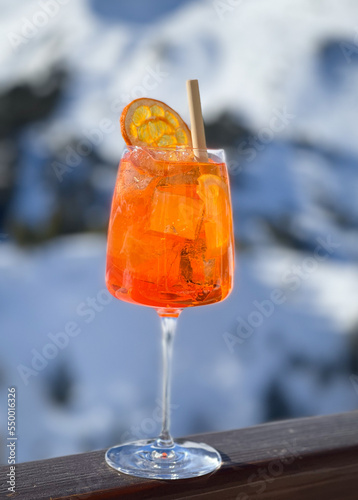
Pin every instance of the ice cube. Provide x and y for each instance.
(149, 256)
(132, 178)
(176, 210)
(162, 162)
(217, 219)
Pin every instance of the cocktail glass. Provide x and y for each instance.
(170, 246)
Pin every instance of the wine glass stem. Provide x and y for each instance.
(168, 331)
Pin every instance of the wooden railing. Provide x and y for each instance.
(311, 458)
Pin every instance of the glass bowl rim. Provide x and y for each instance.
(131, 147)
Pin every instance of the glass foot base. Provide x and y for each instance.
(146, 459)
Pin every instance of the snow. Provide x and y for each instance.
(258, 58)
(241, 51)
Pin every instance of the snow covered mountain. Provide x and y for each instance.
(279, 85)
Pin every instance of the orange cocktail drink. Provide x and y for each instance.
(170, 246)
(170, 238)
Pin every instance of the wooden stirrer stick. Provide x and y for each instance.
(196, 120)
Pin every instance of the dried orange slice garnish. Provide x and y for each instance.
(151, 123)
